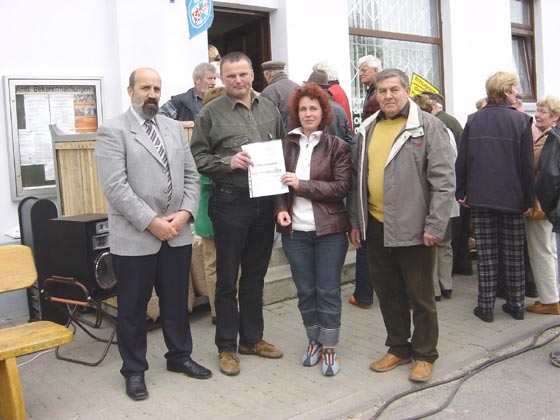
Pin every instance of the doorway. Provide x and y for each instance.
(247, 31)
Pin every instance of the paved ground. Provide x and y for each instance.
(281, 389)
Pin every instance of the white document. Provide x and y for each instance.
(62, 112)
(268, 166)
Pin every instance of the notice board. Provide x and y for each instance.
(32, 104)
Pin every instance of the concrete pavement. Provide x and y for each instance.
(269, 389)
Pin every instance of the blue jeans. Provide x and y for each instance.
(316, 263)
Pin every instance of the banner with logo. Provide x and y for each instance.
(200, 15)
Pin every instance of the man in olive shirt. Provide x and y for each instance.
(243, 226)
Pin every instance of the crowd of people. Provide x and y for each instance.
(404, 190)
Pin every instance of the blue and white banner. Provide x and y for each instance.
(200, 14)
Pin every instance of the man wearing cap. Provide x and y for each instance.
(279, 87)
(339, 126)
(335, 90)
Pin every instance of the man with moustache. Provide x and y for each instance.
(243, 226)
(400, 204)
(150, 180)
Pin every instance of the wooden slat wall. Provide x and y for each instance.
(80, 191)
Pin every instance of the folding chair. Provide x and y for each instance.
(71, 297)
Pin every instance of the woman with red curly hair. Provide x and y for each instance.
(313, 220)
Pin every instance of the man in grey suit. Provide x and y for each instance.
(150, 180)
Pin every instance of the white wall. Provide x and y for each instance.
(93, 38)
(110, 38)
(547, 13)
(476, 44)
(317, 31)
(39, 42)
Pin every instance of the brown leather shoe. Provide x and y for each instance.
(229, 363)
(354, 302)
(421, 371)
(544, 308)
(262, 349)
(388, 362)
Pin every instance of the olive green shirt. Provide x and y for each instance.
(223, 126)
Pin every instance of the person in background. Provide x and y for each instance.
(481, 103)
(443, 267)
(548, 192)
(149, 178)
(279, 88)
(214, 59)
(339, 126)
(313, 220)
(400, 203)
(243, 226)
(186, 106)
(460, 226)
(335, 90)
(541, 241)
(362, 297)
(203, 224)
(495, 179)
(369, 66)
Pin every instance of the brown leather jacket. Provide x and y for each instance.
(331, 178)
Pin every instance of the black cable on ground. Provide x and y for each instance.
(462, 377)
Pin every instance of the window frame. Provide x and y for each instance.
(400, 36)
(526, 35)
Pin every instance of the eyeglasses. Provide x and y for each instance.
(362, 71)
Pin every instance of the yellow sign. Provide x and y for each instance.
(418, 85)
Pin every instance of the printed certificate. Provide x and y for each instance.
(268, 166)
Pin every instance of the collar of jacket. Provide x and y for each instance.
(233, 102)
(413, 121)
(294, 137)
(278, 76)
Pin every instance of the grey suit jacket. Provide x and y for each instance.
(134, 181)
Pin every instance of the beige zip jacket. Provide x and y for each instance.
(418, 185)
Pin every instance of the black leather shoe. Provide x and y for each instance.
(485, 316)
(136, 387)
(446, 293)
(519, 315)
(190, 368)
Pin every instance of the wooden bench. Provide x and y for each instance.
(17, 271)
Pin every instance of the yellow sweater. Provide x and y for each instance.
(382, 138)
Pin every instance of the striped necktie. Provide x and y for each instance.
(152, 134)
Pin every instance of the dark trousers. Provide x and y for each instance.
(500, 239)
(363, 291)
(460, 231)
(243, 234)
(403, 275)
(168, 272)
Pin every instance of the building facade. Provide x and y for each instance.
(455, 44)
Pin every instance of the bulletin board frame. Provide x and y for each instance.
(74, 104)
